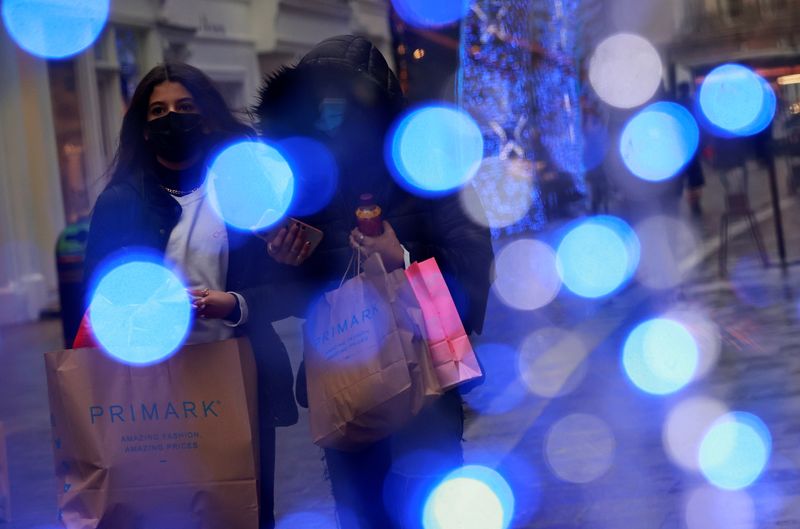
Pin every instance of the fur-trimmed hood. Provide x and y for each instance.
(287, 104)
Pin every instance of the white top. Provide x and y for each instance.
(198, 250)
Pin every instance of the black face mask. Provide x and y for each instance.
(176, 137)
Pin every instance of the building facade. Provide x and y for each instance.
(61, 118)
(759, 33)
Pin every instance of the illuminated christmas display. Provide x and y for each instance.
(519, 78)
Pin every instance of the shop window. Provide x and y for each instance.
(83, 156)
(69, 138)
(118, 72)
(233, 94)
(128, 46)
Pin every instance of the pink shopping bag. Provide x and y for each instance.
(453, 357)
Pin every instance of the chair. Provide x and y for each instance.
(737, 204)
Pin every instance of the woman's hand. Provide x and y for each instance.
(385, 244)
(213, 304)
(290, 246)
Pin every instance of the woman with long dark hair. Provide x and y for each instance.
(157, 200)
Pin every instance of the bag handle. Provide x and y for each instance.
(355, 256)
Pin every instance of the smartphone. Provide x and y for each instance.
(312, 235)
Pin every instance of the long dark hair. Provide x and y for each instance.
(132, 153)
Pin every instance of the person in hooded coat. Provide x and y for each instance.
(344, 95)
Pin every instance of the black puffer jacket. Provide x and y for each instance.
(290, 106)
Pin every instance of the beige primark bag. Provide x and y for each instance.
(172, 445)
(5, 490)
(367, 360)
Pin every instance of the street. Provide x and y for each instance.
(611, 468)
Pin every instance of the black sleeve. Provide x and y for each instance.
(274, 301)
(109, 229)
(272, 291)
(463, 250)
(258, 280)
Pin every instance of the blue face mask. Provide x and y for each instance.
(331, 115)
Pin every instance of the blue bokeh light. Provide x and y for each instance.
(434, 150)
(425, 13)
(140, 311)
(251, 185)
(735, 451)
(472, 497)
(660, 356)
(520, 473)
(659, 141)
(55, 29)
(315, 171)
(736, 101)
(404, 500)
(597, 256)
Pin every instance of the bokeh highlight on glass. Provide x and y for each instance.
(472, 497)
(597, 256)
(140, 311)
(735, 451)
(658, 142)
(251, 185)
(660, 356)
(434, 150)
(55, 29)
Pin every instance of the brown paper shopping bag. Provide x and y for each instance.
(367, 362)
(5, 490)
(172, 445)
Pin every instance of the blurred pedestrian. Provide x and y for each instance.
(692, 178)
(344, 95)
(157, 199)
(595, 150)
